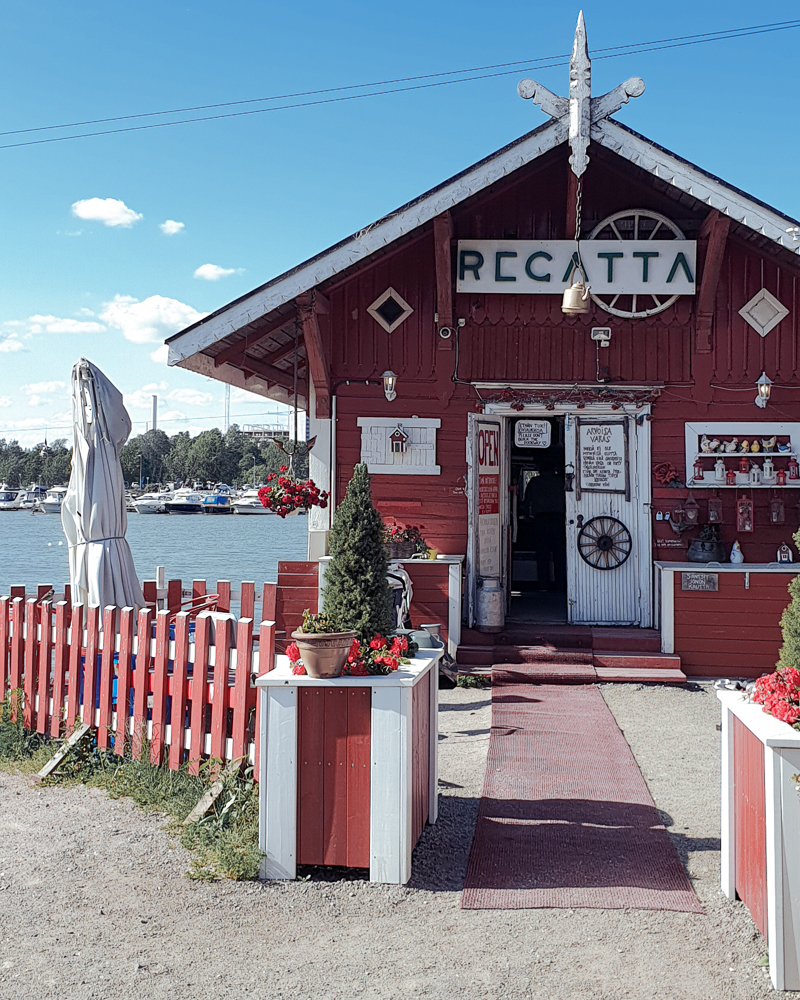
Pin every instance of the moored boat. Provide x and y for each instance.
(217, 503)
(185, 501)
(29, 498)
(10, 499)
(151, 503)
(51, 504)
(248, 503)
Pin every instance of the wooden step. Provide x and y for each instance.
(654, 668)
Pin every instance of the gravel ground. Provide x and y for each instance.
(94, 901)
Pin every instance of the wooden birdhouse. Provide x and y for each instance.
(398, 440)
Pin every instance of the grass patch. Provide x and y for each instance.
(224, 841)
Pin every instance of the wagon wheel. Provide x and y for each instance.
(635, 224)
(604, 543)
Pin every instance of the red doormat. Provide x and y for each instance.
(566, 819)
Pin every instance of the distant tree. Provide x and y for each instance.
(205, 459)
(177, 462)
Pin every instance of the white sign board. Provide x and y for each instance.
(547, 267)
(532, 433)
(488, 446)
(602, 456)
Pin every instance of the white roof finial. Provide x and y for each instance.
(581, 111)
(580, 94)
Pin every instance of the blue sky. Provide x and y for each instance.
(87, 269)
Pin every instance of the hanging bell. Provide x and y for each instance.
(576, 299)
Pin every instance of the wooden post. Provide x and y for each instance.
(5, 607)
(713, 236)
(219, 700)
(241, 686)
(141, 680)
(198, 589)
(75, 666)
(174, 589)
(150, 591)
(309, 305)
(124, 679)
(247, 603)
(159, 712)
(179, 686)
(45, 656)
(17, 650)
(198, 692)
(268, 602)
(60, 667)
(30, 660)
(107, 677)
(224, 595)
(90, 664)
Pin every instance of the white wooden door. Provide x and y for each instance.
(604, 547)
(484, 545)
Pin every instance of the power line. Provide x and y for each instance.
(611, 52)
(137, 423)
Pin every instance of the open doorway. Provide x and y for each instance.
(538, 558)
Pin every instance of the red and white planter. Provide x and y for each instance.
(761, 828)
(348, 768)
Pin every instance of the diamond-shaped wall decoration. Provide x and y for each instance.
(763, 312)
(390, 309)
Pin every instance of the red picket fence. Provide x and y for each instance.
(182, 682)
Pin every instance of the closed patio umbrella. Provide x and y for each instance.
(93, 514)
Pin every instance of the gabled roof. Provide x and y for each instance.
(673, 170)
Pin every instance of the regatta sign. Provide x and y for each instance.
(547, 267)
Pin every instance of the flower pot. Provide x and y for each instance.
(323, 653)
(401, 550)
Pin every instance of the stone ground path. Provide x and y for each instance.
(94, 902)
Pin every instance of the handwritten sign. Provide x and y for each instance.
(700, 581)
(532, 433)
(603, 457)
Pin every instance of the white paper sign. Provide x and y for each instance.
(602, 458)
(488, 443)
(532, 433)
(547, 267)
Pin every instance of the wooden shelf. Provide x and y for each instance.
(744, 486)
(750, 454)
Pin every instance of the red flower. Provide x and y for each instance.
(298, 668)
(378, 642)
(293, 652)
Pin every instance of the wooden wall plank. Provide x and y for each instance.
(751, 825)
(359, 713)
(311, 776)
(335, 794)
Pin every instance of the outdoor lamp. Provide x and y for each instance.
(389, 384)
(764, 386)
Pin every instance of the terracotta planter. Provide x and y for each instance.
(323, 653)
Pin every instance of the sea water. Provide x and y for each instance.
(33, 549)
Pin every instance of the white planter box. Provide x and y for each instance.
(781, 828)
(403, 776)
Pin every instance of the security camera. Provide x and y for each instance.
(602, 334)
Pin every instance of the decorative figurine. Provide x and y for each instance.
(737, 556)
(731, 445)
(784, 553)
(780, 477)
(793, 468)
(755, 447)
(730, 478)
(745, 445)
(744, 515)
(713, 444)
(755, 474)
(719, 470)
(785, 447)
(768, 470)
(704, 444)
(768, 444)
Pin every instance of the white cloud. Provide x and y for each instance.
(5, 401)
(160, 355)
(53, 324)
(10, 344)
(190, 397)
(213, 272)
(141, 399)
(34, 388)
(243, 396)
(171, 227)
(164, 418)
(150, 320)
(155, 386)
(109, 211)
(83, 311)
(38, 400)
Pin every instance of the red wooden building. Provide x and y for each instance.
(574, 459)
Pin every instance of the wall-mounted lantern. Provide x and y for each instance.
(714, 510)
(777, 512)
(389, 384)
(764, 387)
(691, 511)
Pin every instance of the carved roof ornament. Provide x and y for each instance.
(580, 111)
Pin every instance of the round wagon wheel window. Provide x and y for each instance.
(635, 224)
(604, 543)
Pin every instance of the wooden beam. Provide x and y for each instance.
(714, 230)
(272, 374)
(237, 350)
(442, 237)
(279, 355)
(572, 193)
(315, 353)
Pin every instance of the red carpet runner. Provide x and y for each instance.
(566, 819)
